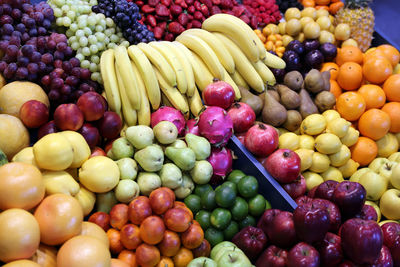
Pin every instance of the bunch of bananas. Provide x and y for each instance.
(224, 49)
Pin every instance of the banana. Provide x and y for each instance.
(195, 103)
(204, 51)
(107, 69)
(128, 78)
(229, 80)
(265, 73)
(187, 67)
(129, 113)
(143, 114)
(174, 63)
(165, 101)
(237, 30)
(273, 61)
(224, 57)
(238, 79)
(243, 65)
(147, 75)
(157, 59)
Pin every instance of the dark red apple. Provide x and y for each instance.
(34, 113)
(272, 257)
(367, 213)
(47, 128)
(303, 255)
(347, 263)
(385, 258)
(282, 231)
(261, 140)
(110, 125)
(242, 115)
(303, 200)
(265, 222)
(241, 137)
(251, 240)
(97, 151)
(90, 133)
(335, 217)
(361, 240)
(283, 165)
(326, 189)
(330, 250)
(92, 106)
(296, 188)
(220, 94)
(311, 193)
(395, 251)
(68, 117)
(350, 198)
(391, 231)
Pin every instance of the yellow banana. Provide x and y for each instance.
(229, 80)
(174, 63)
(273, 61)
(243, 65)
(157, 59)
(165, 101)
(107, 69)
(224, 57)
(129, 113)
(204, 51)
(144, 113)
(265, 73)
(195, 103)
(147, 75)
(238, 79)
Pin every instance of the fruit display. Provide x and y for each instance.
(333, 6)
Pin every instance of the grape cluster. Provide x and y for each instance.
(285, 4)
(126, 16)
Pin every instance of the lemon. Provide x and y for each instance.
(293, 26)
(327, 143)
(330, 115)
(320, 162)
(289, 141)
(332, 173)
(351, 137)
(53, 152)
(313, 124)
(273, 27)
(60, 182)
(355, 177)
(80, 147)
(338, 127)
(25, 155)
(312, 180)
(306, 158)
(13, 135)
(341, 157)
(387, 145)
(322, 13)
(307, 141)
(349, 168)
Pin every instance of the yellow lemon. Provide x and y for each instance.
(330, 115)
(387, 145)
(328, 143)
(80, 147)
(349, 168)
(341, 157)
(338, 127)
(307, 141)
(13, 135)
(25, 155)
(60, 182)
(289, 141)
(306, 157)
(312, 180)
(350, 138)
(86, 198)
(320, 162)
(313, 124)
(332, 173)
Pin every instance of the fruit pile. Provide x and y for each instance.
(333, 6)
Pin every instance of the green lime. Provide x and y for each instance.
(208, 200)
(200, 189)
(203, 218)
(193, 202)
(225, 195)
(248, 186)
(267, 205)
(231, 230)
(235, 176)
(220, 218)
(231, 185)
(240, 209)
(247, 221)
(257, 205)
(213, 236)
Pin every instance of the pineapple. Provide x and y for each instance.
(360, 17)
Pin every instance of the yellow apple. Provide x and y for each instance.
(390, 204)
(376, 207)
(377, 163)
(374, 184)
(386, 169)
(312, 179)
(387, 145)
(332, 173)
(395, 157)
(395, 177)
(360, 172)
(349, 168)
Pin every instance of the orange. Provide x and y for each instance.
(349, 54)
(374, 123)
(335, 88)
(373, 95)
(391, 53)
(377, 69)
(393, 110)
(364, 151)
(308, 3)
(350, 76)
(183, 257)
(322, 2)
(165, 262)
(350, 105)
(333, 68)
(392, 88)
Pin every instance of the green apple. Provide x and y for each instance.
(376, 207)
(395, 157)
(219, 246)
(225, 249)
(377, 163)
(128, 168)
(140, 136)
(395, 177)
(122, 148)
(202, 262)
(165, 132)
(355, 177)
(390, 203)
(386, 169)
(234, 259)
(126, 190)
(374, 184)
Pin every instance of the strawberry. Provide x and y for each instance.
(191, 9)
(196, 24)
(147, 9)
(215, 10)
(204, 10)
(216, 2)
(245, 19)
(198, 15)
(162, 25)
(169, 37)
(189, 25)
(153, 3)
(151, 20)
(183, 19)
(189, 2)
(139, 3)
(175, 10)
(208, 3)
(175, 27)
(166, 2)
(158, 32)
(197, 5)
(162, 10)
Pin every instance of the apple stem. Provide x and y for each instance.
(215, 80)
(262, 126)
(286, 154)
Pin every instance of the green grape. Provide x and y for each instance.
(82, 24)
(57, 12)
(59, 2)
(103, 23)
(92, 20)
(100, 36)
(93, 67)
(80, 56)
(108, 32)
(96, 76)
(86, 51)
(75, 45)
(83, 41)
(66, 21)
(101, 46)
(92, 39)
(99, 28)
(111, 45)
(94, 49)
(114, 38)
(74, 8)
(79, 33)
(119, 34)
(95, 59)
(65, 8)
(93, 2)
(109, 22)
(72, 39)
(125, 43)
(85, 64)
(87, 31)
(100, 17)
(73, 27)
(59, 21)
(71, 14)
(69, 33)
(112, 30)
(106, 40)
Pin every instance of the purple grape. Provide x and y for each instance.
(6, 37)
(25, 37)
(41, 42)
(8, 59)
(85, 74)
(14, 40)
(59, 72)
(76, 72)
(41, 31)
(72, 80)
(27, 50)
(3, 66)
(33, 32)
(23, 61)
(35, 57)
(21, 73)
(74, 62)
(12, 67)
(38, 17)
(46, 23)
(51, 44)
(7, 29)
(58, 63)
(17, 3)
(20, 27)
(6, 19)
(32, 77)
(59, 55)
(29, 23)
(66, 66)
(48, 13)
(3, 45)
(84, 87)
(17, 34)
(16, 14)
(7, 9)
(47, 58)
(61, 47)
(58, 37)
(66, 90)
(46, 80)
(27, 8)
(54, 95)
(12, 51)
(68, 52)
(42, 67)
(33, 68)
(57, 83)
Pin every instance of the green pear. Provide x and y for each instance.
(148, 182)
(105, 201)
(184, 158)
(165, 132)
(140, 136)
(171, 176)
(178, 144)
(186, 188)
(201, 172)
(150, 158)
(122, 148)
(128, 168)
(199, 145)
(126, 191)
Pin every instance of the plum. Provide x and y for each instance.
(328, 50)
(296, 46)
(314, 59)
(310, 45)
(292, 60)
(279, 74)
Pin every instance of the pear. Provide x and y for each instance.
(122, 148)
(178, 144)
(186, 188)
(184, 158)
(150, 158)
(105, 201)
(128, 168)
(202, 172)
(171, 176)
(148, 182)
(199, 145)
(165, 132)
(140, 136)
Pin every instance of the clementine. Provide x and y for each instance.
(373, 95)
(393, 110)
(350, 105)
(392, 88)
(349, 54)
(377, 70)
(364, 151)
(350, 76)
(374, 123)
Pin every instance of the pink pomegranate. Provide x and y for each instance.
(192, 127)
(215, 125)
(221, 161)
(220, 94)
(169, 114)
(242, 115)
(261, 140)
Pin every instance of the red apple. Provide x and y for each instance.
(68, 117)
(347, 263)
(34, 113)
(335, 217)
(395, 251)
(385, 258)
(391, 231)
(282, 231)
(241, 137)
(265, 222)
(311, 193)
(47, 128)
(110, 125)
(272, 257)
(326, 189)
(92, 106)
(100, 218)
(361, 240)
(283, 165)
(251, 240)
(303, 255)
(261, 140)
(220, 94)
(303, 200)
(242, 115)
(350, 198)
(367, 213)
(296, 188)
(330, 250)
(90, 133)
(97, 151)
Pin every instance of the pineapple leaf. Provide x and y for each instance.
(355, 4)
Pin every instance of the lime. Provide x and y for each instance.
(203, 218)
(240, 209)
(257, 205)
(235, 176)
(200, 189)
(213, 236)
(220, 218)
(208, 200)
(231, 230)
(225, 195)
(247, 221)
(193, 202)
(248, 186)
(231, 185)
(267, 205)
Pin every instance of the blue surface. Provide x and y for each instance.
(387, 14)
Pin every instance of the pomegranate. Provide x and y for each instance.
(220, 94)
(283, 165)
(221, 161)
(215, 125)
(261, 140)
(169, 114)
(192, 127)
(242, 115)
